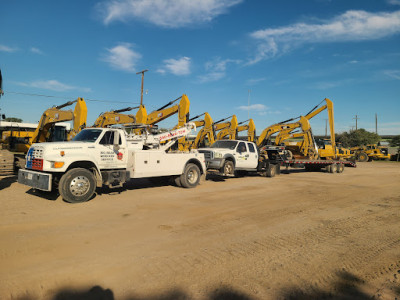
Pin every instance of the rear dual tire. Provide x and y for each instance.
(190, 177)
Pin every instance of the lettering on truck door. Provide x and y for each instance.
(110, 158)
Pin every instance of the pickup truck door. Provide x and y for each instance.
(246, 156)
(108, 156)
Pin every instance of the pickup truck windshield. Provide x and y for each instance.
(87, 135)
(225, 144)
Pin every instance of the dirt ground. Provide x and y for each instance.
(296, 236)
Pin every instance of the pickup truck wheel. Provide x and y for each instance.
(271, 171)
(177, 181)
(77, 185)
(190, 177)
(228, 168)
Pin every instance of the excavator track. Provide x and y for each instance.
(6, 162)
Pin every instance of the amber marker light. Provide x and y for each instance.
(58, 164)
(62, 153)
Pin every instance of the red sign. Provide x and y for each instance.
(120, 155)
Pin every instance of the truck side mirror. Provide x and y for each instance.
(116, 141)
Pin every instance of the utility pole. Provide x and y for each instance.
(141, 90)
(356, 118)
(248, 105)
(376, 123)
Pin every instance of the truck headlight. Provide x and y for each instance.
(218, 155)
(57, 164)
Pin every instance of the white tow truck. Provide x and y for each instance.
(109, 156)
(235, 158)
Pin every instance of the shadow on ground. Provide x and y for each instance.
(345, 286)
(99, 293)
(7, 181)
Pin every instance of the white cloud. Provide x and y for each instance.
(36, 50)
(349, 27)
(395, 74)
(393, 2)
(177, 67)
(164, 13)
(255, 81)
(216, 69)
(256, 107)
(53, 85)
(122, 57)
(4, 48)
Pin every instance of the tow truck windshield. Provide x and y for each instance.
(225, 144)
(87, 135)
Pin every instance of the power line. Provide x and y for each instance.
(58, 97)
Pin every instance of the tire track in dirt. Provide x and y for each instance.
(287, 249)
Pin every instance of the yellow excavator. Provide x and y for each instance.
(54, 115)
(229, 132)
(115, 117)
(164, 112)
(206, 134)
(327, 149)
(251, 129)
(16, 147)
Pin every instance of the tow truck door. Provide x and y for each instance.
(111, 157)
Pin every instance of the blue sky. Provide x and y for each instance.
(284, 56)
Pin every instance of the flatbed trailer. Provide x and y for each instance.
(331, 166)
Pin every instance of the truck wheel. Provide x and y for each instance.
(77, 185)
(340, 168)
(328, 168)
(177, 181)
(191, 176)
(271, 171)
(228, 168)
(362, 157)
(278, 169)
(333, 168)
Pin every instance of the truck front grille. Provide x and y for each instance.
(207, 154)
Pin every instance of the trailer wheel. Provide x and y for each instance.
(77, 185)
(328, 168)
(228, 168)
(333, 168)
(191, 176)
(271, 171)
(362, 157)
(340, 168)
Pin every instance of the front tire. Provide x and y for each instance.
(77, 185)
(228, 168)
(190, 177)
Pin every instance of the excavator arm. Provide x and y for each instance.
(229, 131)
(250, 127)
(164, 112)
(115, 117)
(55, 115)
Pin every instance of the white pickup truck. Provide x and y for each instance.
(235, 157)
(109, 156)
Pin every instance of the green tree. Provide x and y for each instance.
(358, 137)
(395, 142)
(11, 119)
